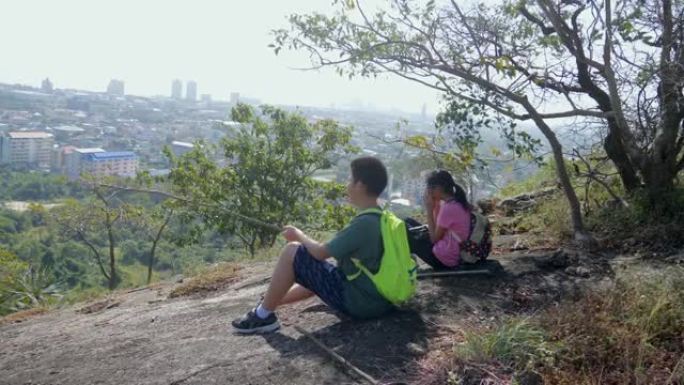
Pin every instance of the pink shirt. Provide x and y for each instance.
(455, 219)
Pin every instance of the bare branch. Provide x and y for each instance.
(592, 174)
(243, 218)
(609, 75)
(472, 34)
(96, 252)
(546, 30)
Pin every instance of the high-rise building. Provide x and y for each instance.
(26, 147)
(116, 87)
(47, 86)
(234, 97)
(205, 98)
(191, 91)
(177, 89)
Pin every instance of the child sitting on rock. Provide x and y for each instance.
(302, 270)
(448, 222)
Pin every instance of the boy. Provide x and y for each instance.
(302, 270)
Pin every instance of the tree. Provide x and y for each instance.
(35, 186)
(87, 222)
(151, 224)
(543, 61)
(265, 172)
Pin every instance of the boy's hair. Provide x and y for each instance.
(371, 172)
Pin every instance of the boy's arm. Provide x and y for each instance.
(315, 248)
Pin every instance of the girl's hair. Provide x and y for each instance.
(443, 179)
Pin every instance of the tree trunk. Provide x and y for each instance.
(155, 242)
(580, 232)
(617, 154)
(150, 263)
(659, 177)
(661, 170)
(113, 276)
(581, 236)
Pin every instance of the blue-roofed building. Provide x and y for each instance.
(110, 155)
(73, 165)
(98, 162)
(121, 163)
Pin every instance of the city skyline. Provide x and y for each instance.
(221, 46)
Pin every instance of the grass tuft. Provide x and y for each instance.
(515, 343)
(23, 315)
(214, 278)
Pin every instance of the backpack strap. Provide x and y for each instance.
(479, 227)
(356, 262)
(372, 210)
(453, 234)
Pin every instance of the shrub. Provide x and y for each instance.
(33, 288)
(641, 222)
(549, 218)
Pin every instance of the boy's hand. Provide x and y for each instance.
(292, 234)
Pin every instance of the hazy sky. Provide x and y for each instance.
(222, 44)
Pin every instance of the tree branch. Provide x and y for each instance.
(472, 34)
(243, 218)
(592, 175)
(95, 251)
(546, 30)
(609, 74)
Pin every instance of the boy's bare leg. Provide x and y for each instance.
(283, 278)
(297, 293)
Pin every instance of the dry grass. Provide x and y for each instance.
(214, 278)
(631, 334)
(23, 315)
(96, 307)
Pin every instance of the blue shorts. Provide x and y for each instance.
(321, 277)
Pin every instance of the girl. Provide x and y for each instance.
(448, 214)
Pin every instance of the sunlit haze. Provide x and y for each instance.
(222, 45)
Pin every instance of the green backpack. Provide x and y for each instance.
(397, 275)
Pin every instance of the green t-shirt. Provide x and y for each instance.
(361, 239)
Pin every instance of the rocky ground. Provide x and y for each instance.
(144, 337)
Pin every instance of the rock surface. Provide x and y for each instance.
(147, 338)
(523, 202)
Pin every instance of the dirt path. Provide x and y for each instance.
(149, 339)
